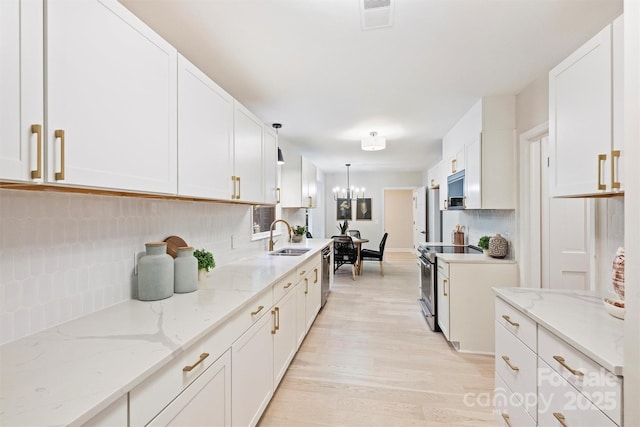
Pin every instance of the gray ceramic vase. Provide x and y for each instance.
(498, 246)
(155, 273)
(185, 271)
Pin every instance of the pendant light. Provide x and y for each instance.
(277, 126)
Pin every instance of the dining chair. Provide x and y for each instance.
(354, 233)
(344, 252)
(371, 255)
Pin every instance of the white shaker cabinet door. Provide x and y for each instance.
(111, 99)
(314, 296)
(21, 90)
(284, 339)
(205, 135)
(270, 162)
(247, 155)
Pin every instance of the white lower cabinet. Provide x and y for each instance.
(509, 410)
(443, 301)
(284, 335)
(314, 296)
(206, 402)
(115, 414)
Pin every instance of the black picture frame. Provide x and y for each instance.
(363, 209)
(343, 209)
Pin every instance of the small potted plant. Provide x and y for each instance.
(483, 244)
(205, 262)
(298, 233)
(343, 227)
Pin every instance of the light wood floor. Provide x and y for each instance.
(371, 360)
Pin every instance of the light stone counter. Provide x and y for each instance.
(474, 259)
(67, 374)
(578, 317)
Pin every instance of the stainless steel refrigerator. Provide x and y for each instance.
(428, 223)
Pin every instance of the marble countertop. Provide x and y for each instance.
(474, 259)
(67, 374)
(578, 317)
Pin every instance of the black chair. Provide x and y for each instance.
(371, 255)
(354, 233)
(344, 252)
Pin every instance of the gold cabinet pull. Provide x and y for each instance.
(444, 287)
(306, 285)
(509, 321)
(202, 357)
(316, 271)
(561, 361)
(260, 307)
(560, 419)
(453, 165)
(288, 285)
(506, 419)
(303, 272)
(239, 187)
(37, 129)
(275, 328)
(59, 134)
(277, 195)
(508, 362)
(233, 180)
(277, 318)
(615, 154)
(310, 201)
(601, 159)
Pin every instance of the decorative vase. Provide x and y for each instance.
(185, 268)
(498, 246)
(617, 274)
(155, 273)
(202, 274)
(485, 252)
(296, 238)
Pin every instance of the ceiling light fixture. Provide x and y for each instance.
(277, 126)
(374, 142)
(350, 192)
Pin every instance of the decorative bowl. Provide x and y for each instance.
(615, 307)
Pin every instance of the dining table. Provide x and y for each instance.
(358, 241)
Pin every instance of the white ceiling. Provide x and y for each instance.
(308, 65)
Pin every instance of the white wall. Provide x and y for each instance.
(477, 223)
(63, 256)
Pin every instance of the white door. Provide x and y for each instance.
(21, 89)
(419, 216)
(397, 219)
(111, 99)
(205, 135)
(247, 155)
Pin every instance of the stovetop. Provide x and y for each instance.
(430, 251)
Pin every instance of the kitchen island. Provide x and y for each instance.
(69, 373)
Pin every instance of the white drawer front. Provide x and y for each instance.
(508, 408)
(516, 365)
(517, 323)
(596, 383)
(443, 267)
(284, 285)
(308, 266)
(559, 400)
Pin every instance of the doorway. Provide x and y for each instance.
(398, 219)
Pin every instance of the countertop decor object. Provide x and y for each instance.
(155, 273)
(483, 244)
(205, 262)
(618, 273)
(173, 243)
(185, 269)
(299, 232)
(498, 246)
(614, 307)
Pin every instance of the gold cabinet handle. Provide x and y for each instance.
(601, 159)
(303, 272)
(506, 419)
(615, 154)
(453, 165)
(59, 134)
(444, 287)
(288, 285)
(188, 368)
(233, 180)
(306, 285)
(277, 318)
(275, 328)
(560, 419)
(310, 201)
(37, 129)
(277, 195)
(509, 321)
(260, 307)
(561, 361)
(316, 271)
(239, 187)
(508, 362)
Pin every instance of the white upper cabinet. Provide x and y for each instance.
(21, 90)
(309, 184)
(247, 170)
(299, 186)
(585, 117)
(269, 165)
(205, 135)
(111, 99)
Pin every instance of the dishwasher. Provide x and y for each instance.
(326, 272)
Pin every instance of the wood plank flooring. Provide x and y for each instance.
(371, 360)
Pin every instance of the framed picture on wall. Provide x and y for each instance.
(343, 209)
(363, 209)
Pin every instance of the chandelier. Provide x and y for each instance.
(350, 192)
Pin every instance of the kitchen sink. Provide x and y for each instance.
(290, 252)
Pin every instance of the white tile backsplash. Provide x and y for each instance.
(67, 255)
(478, 223)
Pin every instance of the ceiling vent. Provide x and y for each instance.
(376, 14)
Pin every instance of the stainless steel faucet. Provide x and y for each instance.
(271, 232)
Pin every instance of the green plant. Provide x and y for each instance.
(299, 230)
(343, 227)
(205, 259)
(483, 243)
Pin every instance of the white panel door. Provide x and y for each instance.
(21, 89)
(111, 87)
(284, 339)
(270, 164)
(205, 135)
(248, 155)
(473, 175)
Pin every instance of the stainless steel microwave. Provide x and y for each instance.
(455, 185)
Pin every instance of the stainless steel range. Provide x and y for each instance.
(428, 277)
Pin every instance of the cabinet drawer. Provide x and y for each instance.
(557, 399)
(307, 266)
(284, 285)
(588, 377)
(516, 365)
(517, 323)
(508, 409)
(443, 267)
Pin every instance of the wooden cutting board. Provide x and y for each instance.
(173, 243)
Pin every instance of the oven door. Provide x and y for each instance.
(427, 293)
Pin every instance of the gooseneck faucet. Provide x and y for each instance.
(271, 232)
